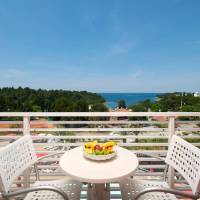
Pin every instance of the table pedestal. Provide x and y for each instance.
(98, 192)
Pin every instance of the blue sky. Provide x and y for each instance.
(101, 46)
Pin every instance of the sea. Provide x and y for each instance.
(130, 98)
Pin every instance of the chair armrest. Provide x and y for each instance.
(38, 188)
(41, 158)
(161, 159)
(153, 156)
(166, 190)
(50, 155)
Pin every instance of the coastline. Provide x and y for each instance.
(130, 98)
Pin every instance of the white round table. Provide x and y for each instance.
(82, 169)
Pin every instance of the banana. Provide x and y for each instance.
(90, 145)
(109, 144)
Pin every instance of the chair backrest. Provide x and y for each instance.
(14, 159)
(185, 158)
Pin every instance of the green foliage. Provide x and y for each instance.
(29, 100)
(99, 107)
(62, 105)
(81, 106)
(36, 108)
(142, 106)
(191, 108)
(185, 102)
(121, 103)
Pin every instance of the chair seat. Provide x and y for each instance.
(130, 187)
(70, 187)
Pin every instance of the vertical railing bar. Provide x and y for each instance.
(26, 131)
(26, 125)
(171, 127)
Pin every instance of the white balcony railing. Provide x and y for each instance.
(137, 131)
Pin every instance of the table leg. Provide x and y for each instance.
(98, 192)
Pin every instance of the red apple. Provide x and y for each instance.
(98, 147)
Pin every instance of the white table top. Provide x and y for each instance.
(82, 169)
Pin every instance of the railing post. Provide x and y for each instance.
(171, 127)
(26, 125)
(26, 131)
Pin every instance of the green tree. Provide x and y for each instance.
(142, 106)
(177, 101)
(81, 106)
(61, 105)
(26, 99)
(100, 107)
(121, 103)
(36, 108)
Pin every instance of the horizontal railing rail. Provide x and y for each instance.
(98, 114)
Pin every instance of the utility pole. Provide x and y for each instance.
(181, 100)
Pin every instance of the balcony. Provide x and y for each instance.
(142, 132)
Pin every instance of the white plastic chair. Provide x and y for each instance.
(183, 157)
(17, 157)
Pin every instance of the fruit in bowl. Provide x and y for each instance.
(101, 150)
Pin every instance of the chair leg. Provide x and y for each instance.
(26, 178)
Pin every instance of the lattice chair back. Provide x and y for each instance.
(14, 159)
(185, 158)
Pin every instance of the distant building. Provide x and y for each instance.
(119, 110)
(158, 118)
(197, 94)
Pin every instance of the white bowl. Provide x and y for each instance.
(100, 157)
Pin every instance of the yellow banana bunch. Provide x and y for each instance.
(89, 146)
(99, 148)
(109, 144)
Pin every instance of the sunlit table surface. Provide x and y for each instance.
(97, 173)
